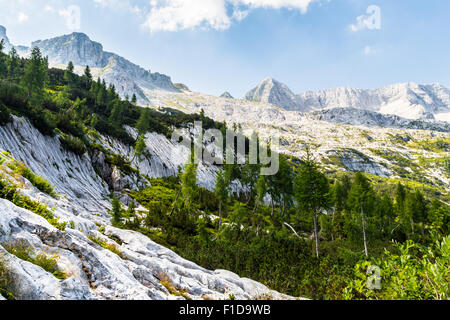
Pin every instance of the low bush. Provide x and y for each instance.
(40, 183)
(23, 251)
(10, 193)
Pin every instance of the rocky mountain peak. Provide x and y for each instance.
(76, 47)
(4, 36)
(274, 92)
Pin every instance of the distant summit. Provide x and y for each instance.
(274, 92)
(227, 95)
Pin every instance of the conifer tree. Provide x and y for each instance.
(36, 76)
(87, 78)
(311, 189)
(13, 64)
(221, 191)
(143, 124)
(134, 99)
(361, 202)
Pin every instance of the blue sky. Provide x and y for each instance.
(231, 45)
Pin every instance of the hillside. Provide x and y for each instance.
(98, 202)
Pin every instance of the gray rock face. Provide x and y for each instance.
(274, 92)
(76, 47)
(4, 37)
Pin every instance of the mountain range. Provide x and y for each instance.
(407, 100)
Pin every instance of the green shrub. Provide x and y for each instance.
(40, 183)
(111, 247)
(23, 251)
(5, 117)
(72, 144)
(6, 280)
(10, 193)
(416, 273)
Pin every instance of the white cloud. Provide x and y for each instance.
(371, 21)
(22, 17)
(174, 15)
(49, 8)
(72, 15)
(301, 5)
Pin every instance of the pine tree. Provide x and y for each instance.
(3, 68)
(94, 121)
(69, 76)
(116, 210)
(311, 189)
(361, 201)
(134, 99)
(36, 76)
(143, 124)
(116, 113)
(139, 147)
(13, 64)
(221, 191)
(87, 77)
(189, 187)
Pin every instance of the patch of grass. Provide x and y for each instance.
(111, 247)
(6, 280)
(10, 193)
(23, 251)
(40, 183)
(173, 290)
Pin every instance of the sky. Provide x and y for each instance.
(214, 46)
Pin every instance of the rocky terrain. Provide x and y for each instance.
(136, 268)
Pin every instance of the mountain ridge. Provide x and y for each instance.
(77, 47)
(407, 100)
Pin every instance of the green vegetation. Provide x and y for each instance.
(275, 243)
(11, 193)
(23, 251)
(173, 290)
(415, 273)
(61, 102)
(111, 247)
(40, 183)
(7, 283)
(301, 231)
